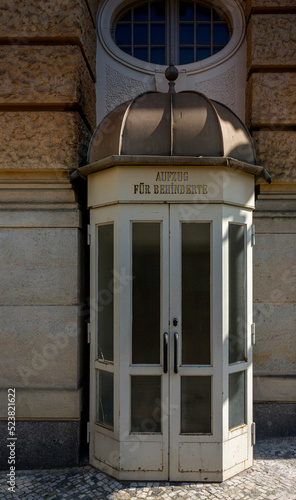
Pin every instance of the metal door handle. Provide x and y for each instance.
(165, 352)
(176, 336)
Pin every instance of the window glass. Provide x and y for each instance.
(237, 293)
(196, 293)
(105, 292)
(196, 405)
(236, 399)
(145, 404)
(200, 31)
(146, 293)
(105, 390)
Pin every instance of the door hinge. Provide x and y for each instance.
(88, 234)
(253, 433)
(253, 239)
(88, 432)
(88, 333)
(253, 334)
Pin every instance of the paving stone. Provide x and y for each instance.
(271, 478)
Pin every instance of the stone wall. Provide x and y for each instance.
(271, 117)
(47, 114)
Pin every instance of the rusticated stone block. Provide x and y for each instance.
(93, 7)
(271, 40)
(51, 19)
(43, 140)
(47, 75)
(36, 267)
(271, 99)
(267, 4)
(276, 151)
(39, 346)
(274, 352)
(275, 276)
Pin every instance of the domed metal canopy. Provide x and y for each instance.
(172, 124)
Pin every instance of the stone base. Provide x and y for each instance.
(275, 419)
(42, 444)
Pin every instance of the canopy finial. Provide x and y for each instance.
(171, 74)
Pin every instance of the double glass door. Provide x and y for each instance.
(159, 348)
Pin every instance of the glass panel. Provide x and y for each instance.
(186, 11)
(140, 34)
(123, 34)
(220, 34)
(186, 55)
(127, 16)
(196, 293)
(186, 33)
(127, 50)
(141, 53)
(196, 405)
(202, 53)
(237, 293)
(105, 292)
(145, 404)
(236, 399)
(141, 13)
(105, 387)
(146, 293)
(157, 34)
(203, 13)
(203, 34)
(157, 55)
(217, 16)
(157, 11)
(217, 49)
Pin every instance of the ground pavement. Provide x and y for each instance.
(272, 477)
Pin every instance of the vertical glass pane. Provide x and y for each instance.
(236, 399)
(127, 50)
(157, 55)
(146, 293)
(141, 53)
(105, 388)
(186, 55)
(127, 16)
(145, 404)
(196, 405)
(217, 16)
(157, 34)
(141, 13)
(186, 11)
(196, 293)
(157, 11)
(105, 292)
(203, 53)
(220, 34)
(217, 49)
(237, 293)
(123, 34)
(140, 34)
(203, 34)
(186, 34)
(203, 13)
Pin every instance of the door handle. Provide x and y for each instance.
(165, 352)
(176, 337)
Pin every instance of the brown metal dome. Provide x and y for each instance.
(168, 124)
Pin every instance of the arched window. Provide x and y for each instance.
(181, 32)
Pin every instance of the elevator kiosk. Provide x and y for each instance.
(171, 194)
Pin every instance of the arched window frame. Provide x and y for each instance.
(172, 23)
(108, 12)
